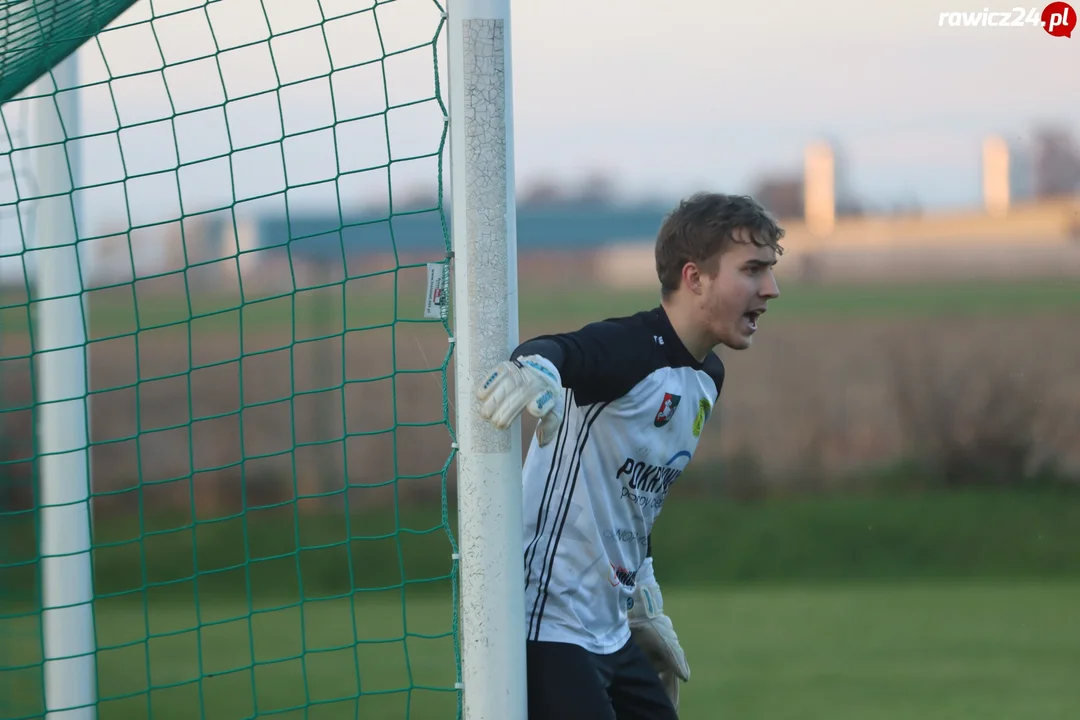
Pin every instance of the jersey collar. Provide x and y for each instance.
(673, 344)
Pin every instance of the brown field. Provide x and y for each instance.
(811, 399)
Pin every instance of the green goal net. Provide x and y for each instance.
(37, 34)
(237, 210)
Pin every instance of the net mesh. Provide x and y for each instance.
(257, 188)
(36, 34)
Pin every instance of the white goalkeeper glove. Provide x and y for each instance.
(652, 630)
(530, 382)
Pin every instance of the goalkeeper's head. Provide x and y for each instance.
(714, 257)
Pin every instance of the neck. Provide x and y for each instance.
(696, 339)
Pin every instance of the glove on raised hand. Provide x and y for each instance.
(652, 630)
(529, 382)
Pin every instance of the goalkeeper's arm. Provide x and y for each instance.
(595, 357)
(592, 360)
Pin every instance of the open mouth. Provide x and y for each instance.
(752, 318)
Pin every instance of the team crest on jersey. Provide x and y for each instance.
(703, 410)
(667, 409)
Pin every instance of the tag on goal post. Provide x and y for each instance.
(435, 300)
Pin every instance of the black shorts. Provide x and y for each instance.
(567, 682)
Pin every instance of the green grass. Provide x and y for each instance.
(926, 651)
(830, 538)
(821, 607)
(219, 660)
(886, 652)
(884, 536)
(331, 310)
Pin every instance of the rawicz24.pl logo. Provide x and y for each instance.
(1057, 18)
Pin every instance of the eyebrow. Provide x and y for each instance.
(759, 263)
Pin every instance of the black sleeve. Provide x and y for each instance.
(600, 362)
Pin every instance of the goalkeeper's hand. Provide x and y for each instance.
(652, 630)
(529, 382)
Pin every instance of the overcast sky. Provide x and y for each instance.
(667, 96)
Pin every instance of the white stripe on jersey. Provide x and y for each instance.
(562, 479)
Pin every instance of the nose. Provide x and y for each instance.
(770, 290)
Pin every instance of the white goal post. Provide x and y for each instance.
(62, 379)
(483, 230)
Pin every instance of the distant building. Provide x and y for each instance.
(1007, 175)
(566, 226)
(241, 238)
(828, 192)
(819, 188)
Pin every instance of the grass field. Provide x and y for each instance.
(119, 311)
(936, 651)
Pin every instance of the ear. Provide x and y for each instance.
(692, 278)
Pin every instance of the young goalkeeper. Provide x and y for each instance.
(621, 405)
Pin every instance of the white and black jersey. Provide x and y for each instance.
(636, 403)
